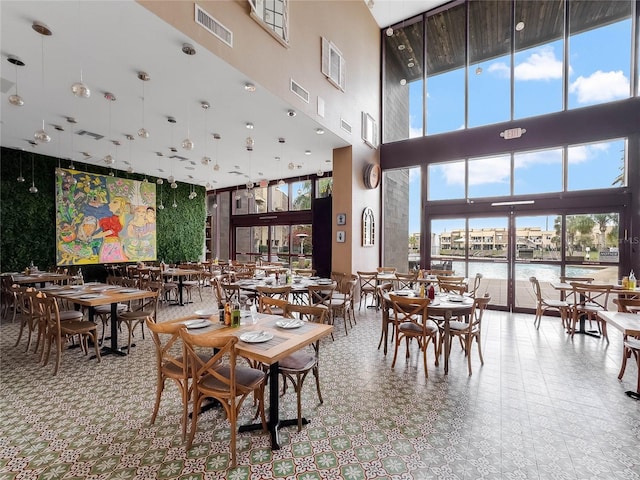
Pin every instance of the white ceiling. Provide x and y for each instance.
(390, 12)
(110, 42)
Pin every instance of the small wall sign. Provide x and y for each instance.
(341, 219)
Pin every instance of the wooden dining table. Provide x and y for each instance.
(180, 273)
(564, 287)
(444, 306)
(283, 343)
(40, 278)
(629, 325)
(94, 294)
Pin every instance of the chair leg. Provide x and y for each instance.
(626, 353)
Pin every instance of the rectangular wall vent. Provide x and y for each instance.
(213, 26)
(345, 126)
(299, 91)
(95, 136)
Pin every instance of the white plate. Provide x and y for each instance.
(206, 313)
(256, 337)
(129, 290)
(197, 323)
(289, 323)
(455, 298)
(88, 297)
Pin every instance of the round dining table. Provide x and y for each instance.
(444, 305)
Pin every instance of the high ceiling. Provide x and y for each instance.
(109, 43)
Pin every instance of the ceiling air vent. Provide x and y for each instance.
(345, 126)
(95, 136)
(299, 91)
(213, 26)
(182, 159)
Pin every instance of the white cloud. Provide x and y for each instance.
(600, 87)
(527, 160)
(415, 132)
(489, 170)
(582, 153)
(542, 64)
(453, 173)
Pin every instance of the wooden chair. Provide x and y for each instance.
(630, 344)
(279, 292)
(588, 300)
(387, 311)
(297, 366)
(57, 331)
(367, 283)
(272, 306)
(229, 385)
(170, 365)
(389, 270)
(8, 296)
(338, 277)
(23, 308)
(139, 312)
(544, 304)
(321, 294)
(475, 290)
(468, 331)
(341, 304)
(411, 321)
(405, 281)
(451, 284)
(193, 282)
(305, 272)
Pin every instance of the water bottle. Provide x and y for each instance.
(80, 277)
(235, 315)
(632, 281)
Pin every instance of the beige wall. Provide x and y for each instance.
(350, 26)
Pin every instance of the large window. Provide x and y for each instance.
(493, 61)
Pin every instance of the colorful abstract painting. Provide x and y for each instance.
(104, 219)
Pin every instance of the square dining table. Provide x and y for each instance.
(91, 295)
(284, 342)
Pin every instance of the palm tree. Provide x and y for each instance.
(578, 225)
(603, 220)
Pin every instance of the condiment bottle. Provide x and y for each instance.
(432, 292)
(235, 315)
(227, 314)
(422, 290)
(632, 281)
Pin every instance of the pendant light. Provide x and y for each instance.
(16, 99)
(205, 108)
(41, 136)
(175, 203)
(143, 133)
(20, 178)
(80, 89)
(216, 137)
(72, 179)
(108, 158)
(187, 143)
(130, 138)
(161, 206)
(281, 141)
(33, 188)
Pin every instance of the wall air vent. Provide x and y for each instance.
(213, 26)
(345, 126)
(95, 136)
(299, 91)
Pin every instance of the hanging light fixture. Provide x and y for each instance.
(161, 206)
(72, 179)
(33, 188)
(216, 137)
(143, 133)
(79, 89)
(110, 97)
(16, 99)
(205, 108)
(175, 204)
(187, 143)
(130, 138)
(20, 178)
(215, 199)
(41, 136)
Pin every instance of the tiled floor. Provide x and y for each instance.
(542, 407)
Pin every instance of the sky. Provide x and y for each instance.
(599, 71)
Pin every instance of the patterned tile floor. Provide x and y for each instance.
(542, 407)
